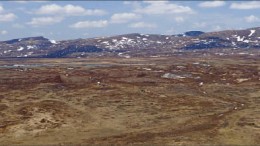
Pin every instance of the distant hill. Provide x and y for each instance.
(127, 44)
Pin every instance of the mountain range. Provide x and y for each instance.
(128, 45)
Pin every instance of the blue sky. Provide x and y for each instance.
(62, 20)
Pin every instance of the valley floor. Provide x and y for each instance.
(164, 100)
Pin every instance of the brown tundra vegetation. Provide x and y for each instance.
(171, 100)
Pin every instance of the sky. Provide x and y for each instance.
(62, 20)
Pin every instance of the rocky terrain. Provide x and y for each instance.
(189, 98)
(131, 45)
(194, 88)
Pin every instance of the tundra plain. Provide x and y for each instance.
(171, 100)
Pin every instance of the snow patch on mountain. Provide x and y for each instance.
(239, 39)
(114, 40)
(7, 51)
(29, 53)
(251, 33)
(30, 47)
(20, 49)
(53, 41)
(246, 41)
(105, 42)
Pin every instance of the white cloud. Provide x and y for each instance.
(1, 9)
(142, 25)
(179, 19)
(17, 25)
(170, 31)
(134, 4)
(68, 10)
(3, 32)
(252, 19)
(216, 28)
(246, 5)
(163, 7)
(199, 25)
(21, 2)
(85, 34)
(124, 17)
(212, 4)
(30, 1)
(39, 21)
(90, 24)
(7, 17)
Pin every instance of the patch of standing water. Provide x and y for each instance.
(98, 65)
(25, 65)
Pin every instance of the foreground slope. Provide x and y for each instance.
(189, 98)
